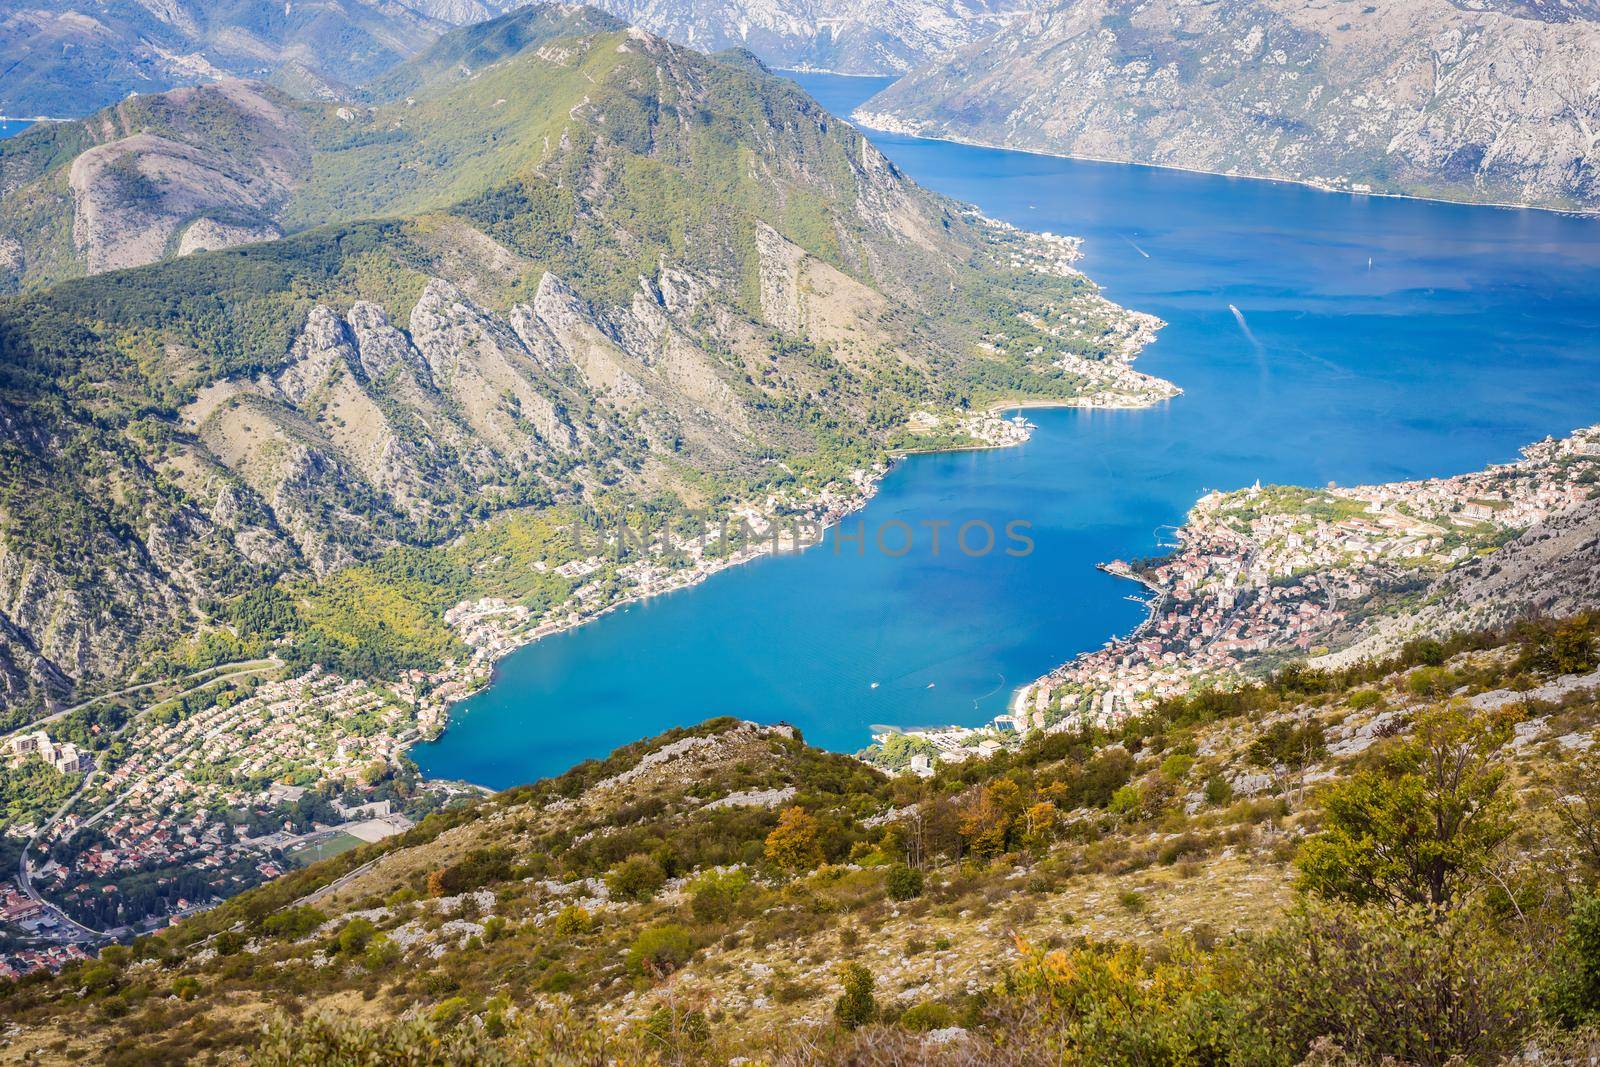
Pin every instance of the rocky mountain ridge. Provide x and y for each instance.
(613, 269)
(879, 37)
(65, 57)
(1491, 102)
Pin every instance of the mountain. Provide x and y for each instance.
(1551, 570)
(551, 264)
(1235, 877)
(66, 57)
(1486, 102)
(876, 37)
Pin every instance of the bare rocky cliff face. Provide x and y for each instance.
(69, 57)
(844, 36)
(192, 170)
(1489, 102)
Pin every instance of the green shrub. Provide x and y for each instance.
(448, 1013)
(715, 895)
(903, 882)
(636, 878)
(572, 921)
(855, 1006)
(558, 980)
(1573, 995)
(228, 942)
(354, 936)
(929, 1015)
(291, 924)
(1410, 983)
(1176, 766)
(659, 951)
(381, 954)
(1126, 801)
(1218, 791)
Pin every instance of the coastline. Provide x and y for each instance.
(1263, 572)
(899, 128)
(489, 658)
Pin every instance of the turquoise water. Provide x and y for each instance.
(12, 126)
(1472, 332)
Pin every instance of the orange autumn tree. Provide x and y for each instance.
(989, 822)
(794, 844)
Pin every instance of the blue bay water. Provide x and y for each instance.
(1378, 339)
(10, 127)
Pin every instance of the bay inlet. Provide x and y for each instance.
(1317, 336)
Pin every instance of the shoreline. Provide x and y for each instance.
(857, 504)
(858, 118)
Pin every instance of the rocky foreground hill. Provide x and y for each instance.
(1393, 860)
(1482, 102)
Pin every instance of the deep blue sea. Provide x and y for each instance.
(9, 127)
(1378, 339)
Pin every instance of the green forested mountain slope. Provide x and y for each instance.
(607, 269)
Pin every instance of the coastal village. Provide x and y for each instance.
(247, 779)
(200, 806)
(1264, 573)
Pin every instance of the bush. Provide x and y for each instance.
(636, 878)
(1126, 801)
(1412, 983)
(291, 924)
(659, 951)
(795, 843)
(1111, 1004)
(903, 882)
(1218, 790)
(381, 954)
(228, 942)
(855, 1006)
(480, 868)
(1573, 997)
(715, 895)
(448, 1013)
(929, 1015)
(354, 937)
(558, 980)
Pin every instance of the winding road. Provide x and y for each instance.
(197, 681)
